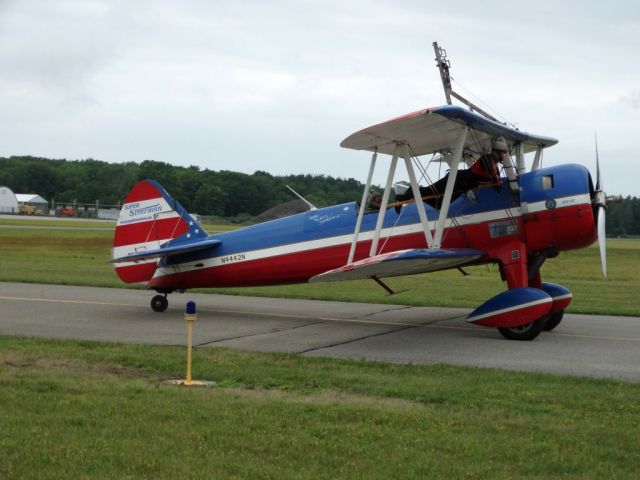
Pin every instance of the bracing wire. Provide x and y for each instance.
(423, 172)
(483, 104)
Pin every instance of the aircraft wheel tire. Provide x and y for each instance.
(159, 303)
(525, 332)
(553, 321)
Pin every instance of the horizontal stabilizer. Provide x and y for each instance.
(168, 251)
(402, 262)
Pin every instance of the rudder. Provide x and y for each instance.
(149, 218)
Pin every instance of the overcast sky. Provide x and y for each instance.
(276, 85)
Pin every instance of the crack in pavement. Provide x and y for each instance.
(357, 339)
(439, 320)
(274, 330)
(395, 309)
(324, 321)
(395, 330)
(406, 307)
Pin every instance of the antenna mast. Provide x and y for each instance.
(444, 65)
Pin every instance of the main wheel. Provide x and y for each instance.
(159, 303)
(553, 321)
(528, 331)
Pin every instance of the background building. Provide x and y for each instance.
(32, 204)
(8, 201)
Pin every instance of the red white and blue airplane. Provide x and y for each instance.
(517, 223)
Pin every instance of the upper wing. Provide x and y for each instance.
(402, 262)
(168, 251)
(437, 129)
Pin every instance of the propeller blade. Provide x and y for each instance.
(602, 239)
(598, 185)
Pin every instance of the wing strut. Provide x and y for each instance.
(448, 191)
(363, 205)
(537, 159)
(416, 194)
(385, 201)
(383, 285)
(522, 168)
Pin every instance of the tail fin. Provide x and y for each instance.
(148, 220)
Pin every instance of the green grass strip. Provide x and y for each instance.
(83, 409)
(78, 223)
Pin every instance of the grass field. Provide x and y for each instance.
(79, 223)
(79, 257)
(82, 409)
(45, 222)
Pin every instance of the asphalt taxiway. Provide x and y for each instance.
(583, 345)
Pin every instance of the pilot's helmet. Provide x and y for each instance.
(500, 145)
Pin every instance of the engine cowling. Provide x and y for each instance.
(557, 209)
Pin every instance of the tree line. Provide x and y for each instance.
(221, 193)
(203, 191)
(623, 219)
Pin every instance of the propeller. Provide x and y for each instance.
(602, 239)
(600, 202)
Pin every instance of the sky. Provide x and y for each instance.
(277, 85)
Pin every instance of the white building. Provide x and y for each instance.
(33, 200)
(8, 201)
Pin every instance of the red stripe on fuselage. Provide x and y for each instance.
(298, 267)
(567, 228)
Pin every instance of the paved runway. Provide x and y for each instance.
(596, 346)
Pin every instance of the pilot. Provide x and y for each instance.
(374, 201)
(482, 171)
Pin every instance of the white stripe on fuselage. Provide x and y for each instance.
(561, 202)
(402, 230)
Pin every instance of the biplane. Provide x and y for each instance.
(518, 221)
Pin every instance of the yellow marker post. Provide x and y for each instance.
(190, 316)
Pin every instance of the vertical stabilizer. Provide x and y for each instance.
(149, 219)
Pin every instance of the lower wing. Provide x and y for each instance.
(402, 262)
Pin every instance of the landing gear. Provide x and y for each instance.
(553, 321)
(528, 331)
(159, 303)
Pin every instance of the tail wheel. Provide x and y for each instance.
(159, 303)
(528, 331)
(553, 321)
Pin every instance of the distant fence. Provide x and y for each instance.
(85, 210)
(108, 213)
